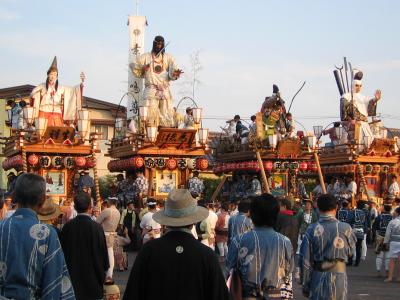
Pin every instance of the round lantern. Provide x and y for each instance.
(268, 165)
(312, 166)
(191, 163)
(57, 162)
(392, 169)
(303, 166)
(376, 168)
(182, 164)
(171, 163)
(45, 161)
(69, 162)
(277, 165)
(368, 168)
(294, 165)
(202, 163)
(285, 165)
(80, 161)
(33, 159)
(159, 162)
(90, 162)
(138, 162)
(385, 168)
(149, 163)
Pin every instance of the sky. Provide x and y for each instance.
(244, 48)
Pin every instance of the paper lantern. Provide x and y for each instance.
(268, 165)
(385, 168)
(159, 162)
(312, 166)
(392, 169)
(368, 168)
(45, 161)
(33, 160)
(303, 166)
(376, 168)
(80, 161)
(138, 162)
(285, 165)
(294, 165)
(69, 162)
(90, 162)
(182, 164)
(191, 163)
(149, 162)
(57, 162)
(202, 164)
(171, 163)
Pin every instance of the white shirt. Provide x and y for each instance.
(394, 189)
(149, 224)
(352, 187)
(212, 219)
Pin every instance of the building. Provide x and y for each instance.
(102, 115)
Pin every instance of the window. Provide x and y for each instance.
(102, 130)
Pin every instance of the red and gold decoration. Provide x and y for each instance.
(138, 162)
(268, 165)
(303, 166)
(90, 162)
(33, 160)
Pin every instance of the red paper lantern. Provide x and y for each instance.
(33, 159)
(80, 161)
(90, 162)
(312, 166)
(268, 165)
(303, 166)
(171, 163)
(392, 169)
(138, 162)
(202, 164)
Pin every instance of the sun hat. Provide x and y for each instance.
(180, 209)
(49, 210)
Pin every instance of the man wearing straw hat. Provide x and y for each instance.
(176, 265)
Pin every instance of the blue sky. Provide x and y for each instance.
(244, 46)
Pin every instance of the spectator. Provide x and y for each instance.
(265, 261)
(85, 249)
(392, 241)
(195, 185)
(109, 219)
(31, 241)
(221, 231)
(150, 228)
(240, 222)
(178, 257)
(122, 240)
(380, 226)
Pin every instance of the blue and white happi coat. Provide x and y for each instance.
(238, 224)
(264, 259)
(32, 264)
(327, 240)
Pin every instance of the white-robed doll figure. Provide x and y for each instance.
(158, 69)
(359, 107)
(58, 104)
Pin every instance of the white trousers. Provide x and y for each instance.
(110, 270)
(364, 248)
(382, 256)
(223, 248)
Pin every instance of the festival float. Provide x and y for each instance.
(360, 145)
(49, 136)
(270, 148)
(156, 138)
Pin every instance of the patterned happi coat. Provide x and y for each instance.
(326, 240)
(264, 259)
(32, 264)
(237, 225)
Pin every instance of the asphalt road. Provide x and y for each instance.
(363, 282)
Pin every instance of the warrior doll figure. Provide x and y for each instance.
(158, 69)
(274, 111)
(58, 104)
(358, 107)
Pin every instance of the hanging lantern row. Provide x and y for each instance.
(135, 162)
(12, 162)
(268, 166)
(59, 162)
(161, 163)
(368, 168)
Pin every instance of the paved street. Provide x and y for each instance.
(363, 282)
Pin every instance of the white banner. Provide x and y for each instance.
(136, 25)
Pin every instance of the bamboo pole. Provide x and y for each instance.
(262, 171)
(321, 177)
(219, 187)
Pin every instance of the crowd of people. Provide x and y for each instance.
(269, 242)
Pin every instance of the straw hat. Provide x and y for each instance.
(49, 210)
(180, 210)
